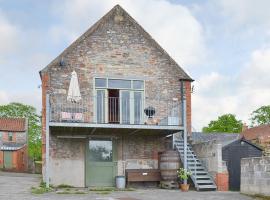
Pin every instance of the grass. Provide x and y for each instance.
(103, 192)
(41, 189)
(64, 186)
(259, 196)
(71, 192)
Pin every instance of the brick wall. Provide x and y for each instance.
(255, 176)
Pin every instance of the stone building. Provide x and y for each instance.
(13, 144)
(130, 100)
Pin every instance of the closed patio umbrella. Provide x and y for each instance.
(74, 94)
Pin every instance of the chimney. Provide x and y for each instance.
(244, 127)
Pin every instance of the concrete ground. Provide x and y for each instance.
(15, 186)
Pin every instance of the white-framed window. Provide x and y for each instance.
(126, 107)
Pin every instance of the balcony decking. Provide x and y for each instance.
(88, 113)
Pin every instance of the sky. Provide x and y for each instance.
(224, 45)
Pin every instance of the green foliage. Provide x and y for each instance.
(261, 116)
(34, 122)
(183, 174)
(225, 124)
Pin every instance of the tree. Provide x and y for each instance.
(34, 128)
(226, 124)
(261, 116)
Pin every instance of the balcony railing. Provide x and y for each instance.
(116, 110)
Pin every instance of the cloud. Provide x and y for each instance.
(246, 11)
(9, 37)
(217, 94)
(30, 98)
(173, 26)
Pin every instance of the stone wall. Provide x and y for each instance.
(67, 161)
(210, 153)
(120, 50)
(116, 49)
(255, 176)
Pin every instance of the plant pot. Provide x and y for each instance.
(184, 187)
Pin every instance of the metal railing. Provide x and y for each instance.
(116, 110)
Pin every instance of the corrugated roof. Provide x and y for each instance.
(12, 124)
(256, 132)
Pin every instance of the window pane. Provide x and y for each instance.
(100, 106)
(101, 82)
(100, 151)
(10, 136)
(138, 107)
(117, 83)
(125, 107)
(138, 85)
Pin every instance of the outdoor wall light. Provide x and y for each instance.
(62, 62)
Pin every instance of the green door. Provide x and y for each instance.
(100, 162)
(8, 159)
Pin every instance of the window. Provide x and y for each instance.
(118, 83)
(138, 85)
(1, 136)
(10, 136)
(100, 150)
(101, 82)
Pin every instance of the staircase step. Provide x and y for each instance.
(197, 168)
(204, 182)
(199, 173)
(212, 187)
(199, 177)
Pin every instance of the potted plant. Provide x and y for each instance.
(183, 175)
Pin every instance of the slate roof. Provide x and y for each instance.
(223, 138)
(117, 9)
(256, 132)
(12, 124)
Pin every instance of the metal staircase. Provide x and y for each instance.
(200, 176)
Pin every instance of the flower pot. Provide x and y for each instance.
(184, 187)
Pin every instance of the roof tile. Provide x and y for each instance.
(12, 124)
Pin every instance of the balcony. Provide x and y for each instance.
(116, 112)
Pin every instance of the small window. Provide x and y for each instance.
(138, 85)
(101, 82)
(10, 136)
(121, 84)
(1, 135)
(100, 151)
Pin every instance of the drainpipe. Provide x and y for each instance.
(47, 142)
(184, 121)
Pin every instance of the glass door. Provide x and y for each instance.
(138, 107)
(101, 106)
(125, 106)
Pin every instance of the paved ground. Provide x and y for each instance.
(17, 187)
